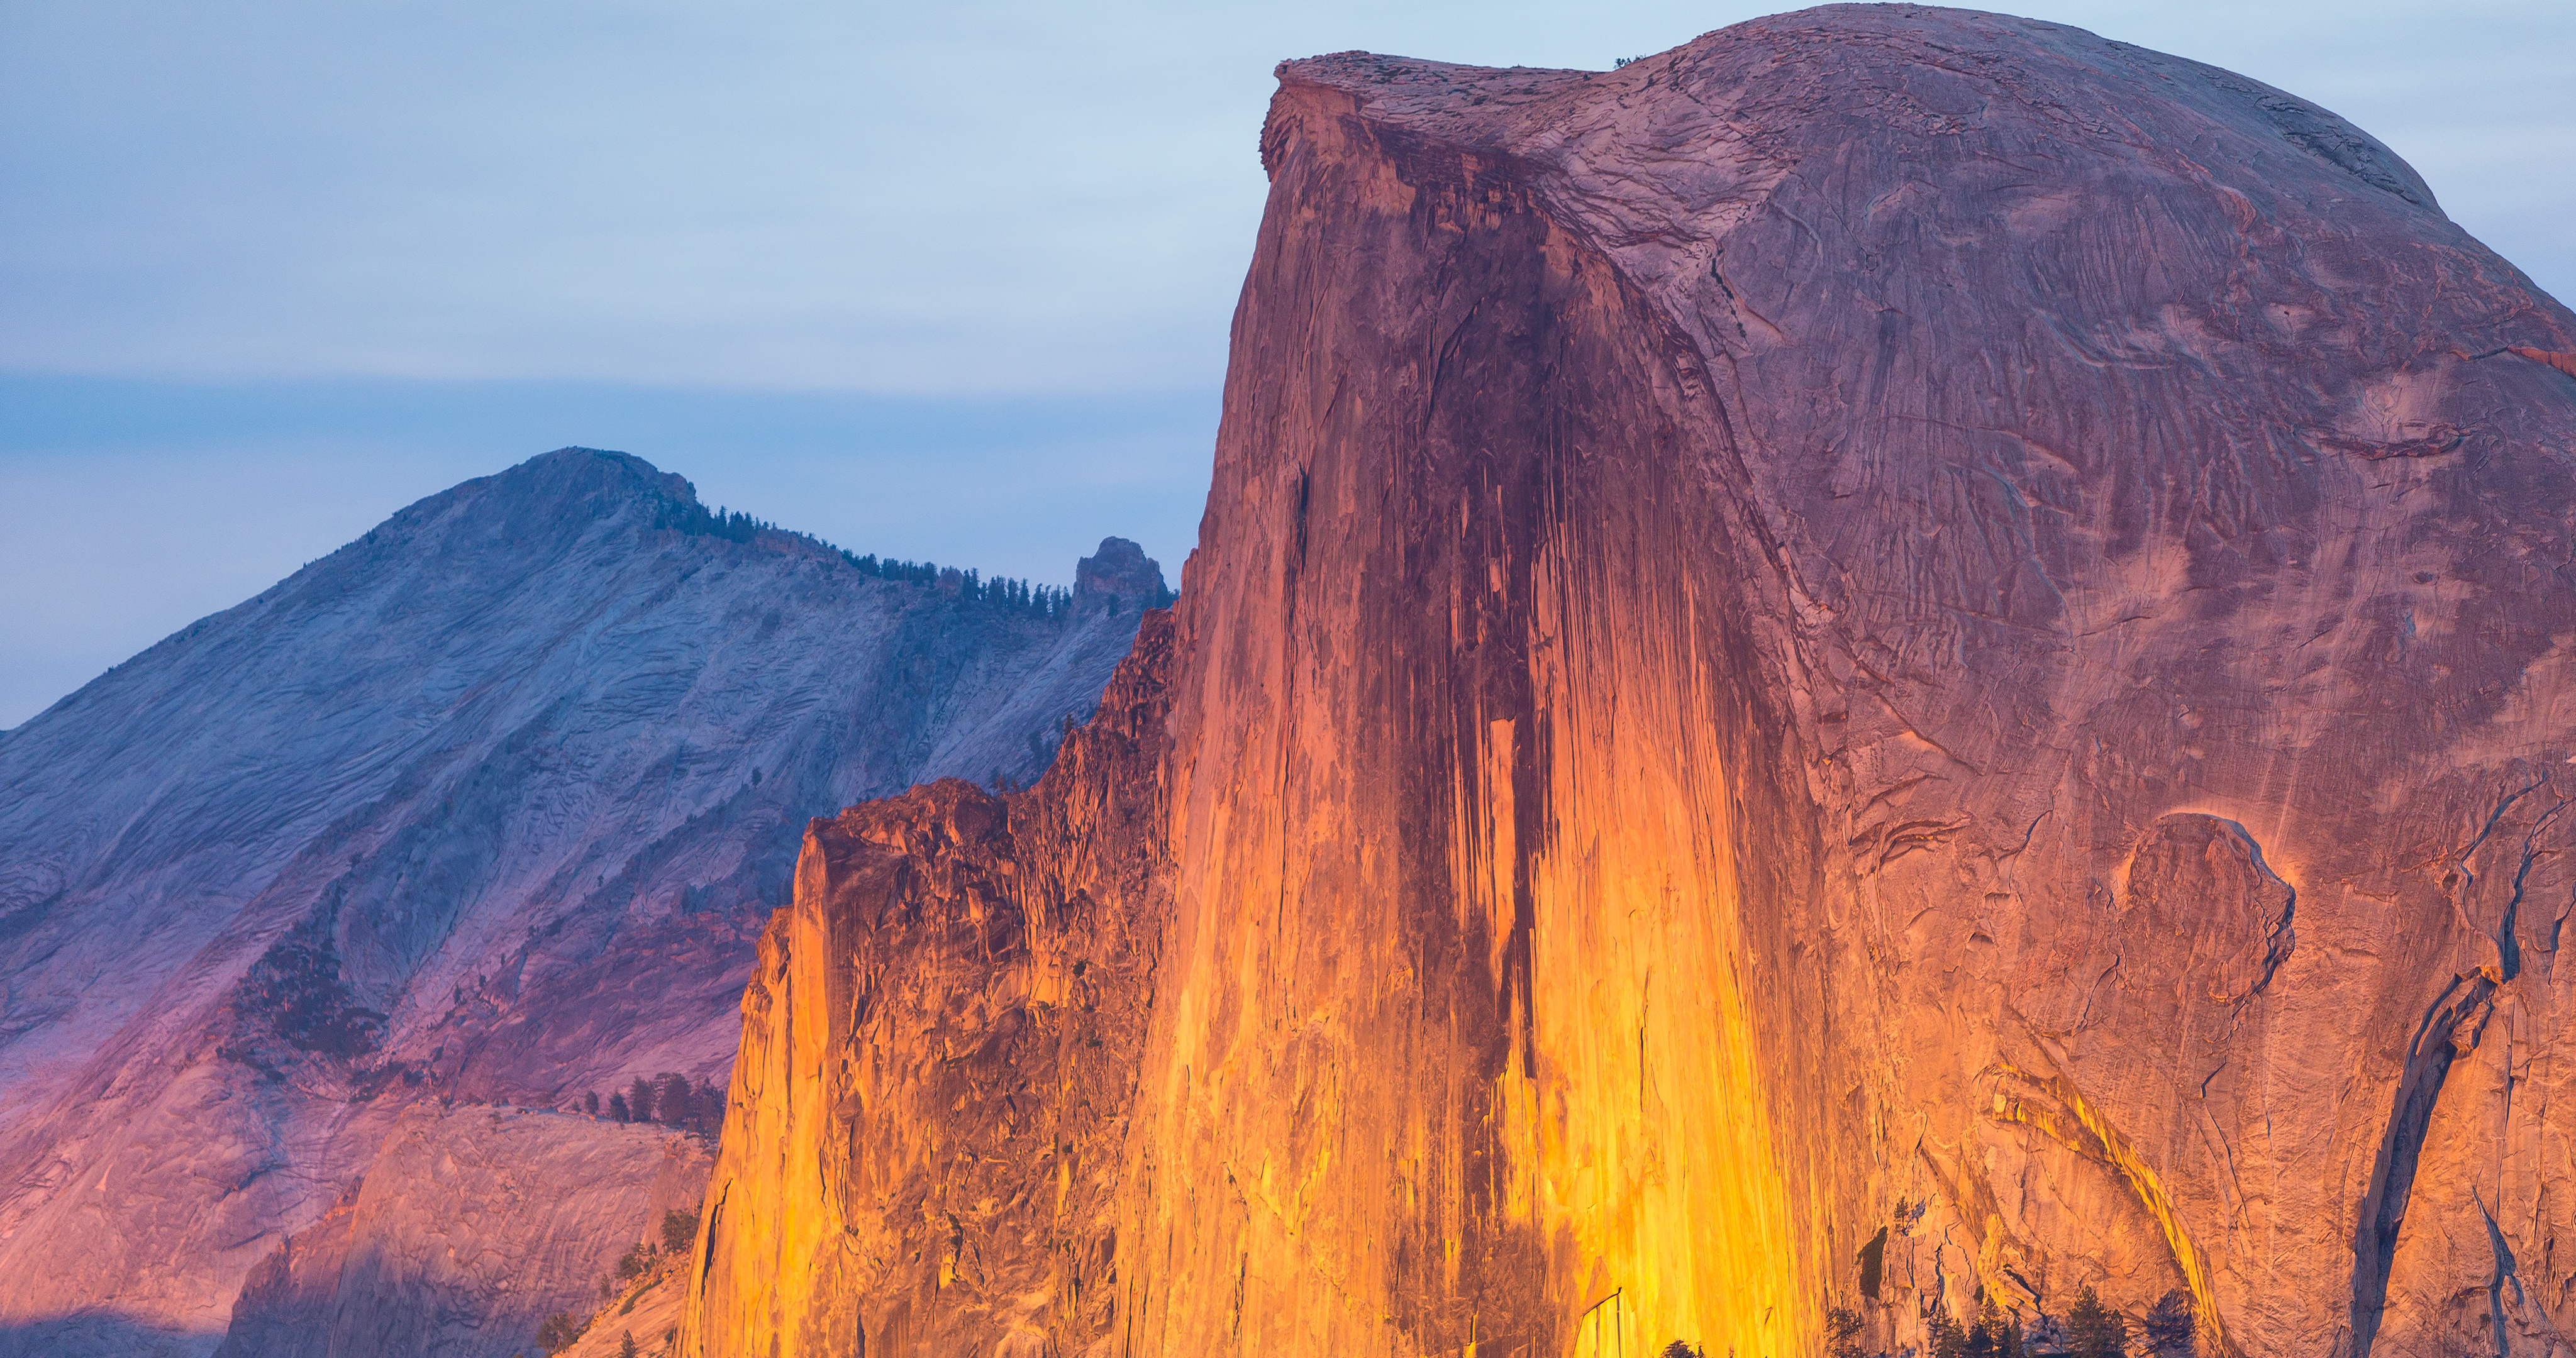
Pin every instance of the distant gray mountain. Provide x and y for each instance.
(487, 806)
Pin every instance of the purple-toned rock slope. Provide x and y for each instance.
(485, 807)
(474, 1225)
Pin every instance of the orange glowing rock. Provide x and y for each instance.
(2565, 363)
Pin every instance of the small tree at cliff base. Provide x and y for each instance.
(1842, 1333)
(638, 1257)
(2168, 1329)
(1996, 1335)
(2094, 1330)
(558, 1333)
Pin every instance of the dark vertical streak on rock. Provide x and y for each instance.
(2508, 947)
(1452, 654)
(707, 1242)
(2504, 1273)
(2282, 935)
(1292, 580)
(2392, 1175)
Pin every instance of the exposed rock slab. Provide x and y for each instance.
(649, 1314)
(1894, 657)
(474, 1225)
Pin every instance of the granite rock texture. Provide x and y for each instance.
(647, 1310)
(487, 806)
(939, 1048)
(474, 1225)
(1896, 658)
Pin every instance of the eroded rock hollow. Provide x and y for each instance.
(1896, 659)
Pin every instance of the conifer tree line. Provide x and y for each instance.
(1007, 593)
(2089, 1329)
(698, 521)
(667, 1098)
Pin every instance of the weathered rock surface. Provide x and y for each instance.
(648, 1311)
(487, 806)
(474, 1224)
(1896, 657)
(939, 1048)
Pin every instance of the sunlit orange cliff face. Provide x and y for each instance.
(1898, 659)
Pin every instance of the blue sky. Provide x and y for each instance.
(946, 281)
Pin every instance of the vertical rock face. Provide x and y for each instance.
(485, 807)
(1899, 658)
(940, 1042)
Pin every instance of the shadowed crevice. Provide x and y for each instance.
(2392, 1174)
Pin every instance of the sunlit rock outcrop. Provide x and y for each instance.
(1895, 659)
(940, 1043)
(486, 807)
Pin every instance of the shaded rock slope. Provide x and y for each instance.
(484, 808)
(475, 1224)
(1896, 659)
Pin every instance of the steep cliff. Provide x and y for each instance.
(939, 1047)
(485, 807)
(1899, 658)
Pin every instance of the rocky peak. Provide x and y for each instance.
(550, 497)
(1120, 570)
(486, 806)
